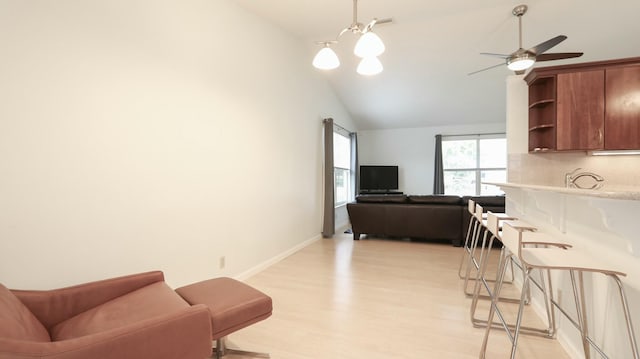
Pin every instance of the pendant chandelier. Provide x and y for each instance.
(368, 47)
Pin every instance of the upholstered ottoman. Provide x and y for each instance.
(233, 305)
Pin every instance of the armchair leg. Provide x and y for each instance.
(221, 350)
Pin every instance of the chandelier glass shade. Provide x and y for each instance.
(369, 45)
(370, 66)
(326, 59)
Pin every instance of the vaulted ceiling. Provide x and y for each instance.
(433, 45)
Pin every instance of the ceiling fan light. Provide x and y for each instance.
(370, 66)
(520, 63)
(326, 59)
(369, 45)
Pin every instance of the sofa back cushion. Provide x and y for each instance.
(17, 322)
(384, 198)
(436, 199)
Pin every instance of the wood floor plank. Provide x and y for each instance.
(374, 298)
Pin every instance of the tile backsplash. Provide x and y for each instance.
(549, 169)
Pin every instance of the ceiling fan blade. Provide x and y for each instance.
(544, 46)
(502, 56)
(558, 56)
(485, 69)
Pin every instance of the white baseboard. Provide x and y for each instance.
(569, 347)
(269, 262)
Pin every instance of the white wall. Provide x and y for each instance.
(412, 150)
(154, 134)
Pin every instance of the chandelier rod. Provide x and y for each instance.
(355, 11)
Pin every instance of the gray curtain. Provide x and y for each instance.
(438, 170)
(355, 184)
(328, 225)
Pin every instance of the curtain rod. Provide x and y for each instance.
(477, 134)
(338, 126)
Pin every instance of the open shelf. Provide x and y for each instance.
(542, 103)
(542, 114)
(543, 126)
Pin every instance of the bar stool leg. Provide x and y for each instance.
(627, 317)
(578, 295)
(548, 302)
(471, 232)
(484, 259)
(472, 263)
(504, 258)
(516, 332)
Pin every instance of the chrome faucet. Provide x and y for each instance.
(571, 178)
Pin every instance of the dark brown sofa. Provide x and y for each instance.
(432, 217)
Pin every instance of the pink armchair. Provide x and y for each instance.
(131, 317)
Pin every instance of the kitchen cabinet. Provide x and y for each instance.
(584, 107)
(580, 111)
(622, 118)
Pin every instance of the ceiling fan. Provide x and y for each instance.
(522, 59)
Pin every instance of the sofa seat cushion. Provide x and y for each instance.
(17, 321)
(145, 303)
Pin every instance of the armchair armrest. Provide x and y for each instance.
(185, 334)
(53, 306)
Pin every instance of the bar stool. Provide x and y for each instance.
(533, 239)
(480, 230)
(573, 261)
(471, 233)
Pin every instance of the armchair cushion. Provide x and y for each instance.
(54, 306)
(130, 317)
(147, 302)
(17, 322)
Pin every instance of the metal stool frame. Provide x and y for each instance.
(555, 259)
(493, 227)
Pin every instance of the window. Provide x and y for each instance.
(341, 168)
(470, 160)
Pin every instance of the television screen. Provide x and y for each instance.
(378, 178)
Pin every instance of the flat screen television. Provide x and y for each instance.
(378, 178)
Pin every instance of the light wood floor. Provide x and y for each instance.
(373, 298)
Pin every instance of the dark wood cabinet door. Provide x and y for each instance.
(580, 110)
(622, 118)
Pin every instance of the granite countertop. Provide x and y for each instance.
(625, 193)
